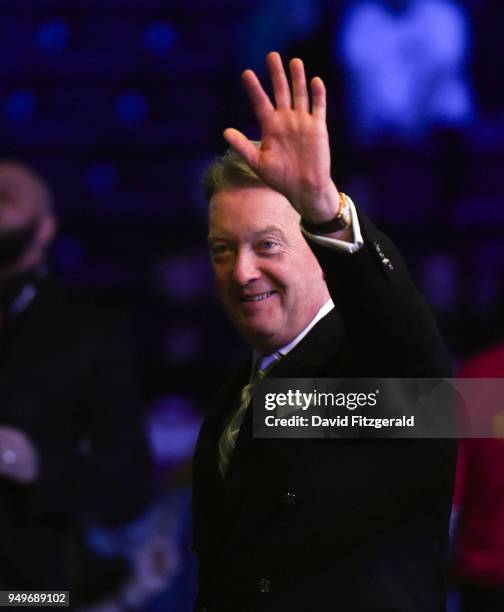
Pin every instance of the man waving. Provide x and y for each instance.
(316, 291)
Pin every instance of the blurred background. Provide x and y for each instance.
(120, 104)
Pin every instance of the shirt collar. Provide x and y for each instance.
(267, 360)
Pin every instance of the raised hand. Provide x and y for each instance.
(294, 156)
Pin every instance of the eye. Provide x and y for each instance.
(218, 249)
(268, 246)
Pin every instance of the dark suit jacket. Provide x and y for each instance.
(332, 524)
(67, 380)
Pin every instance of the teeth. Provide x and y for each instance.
(258, 298)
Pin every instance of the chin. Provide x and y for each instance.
(259, 337)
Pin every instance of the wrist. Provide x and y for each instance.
(341, 222)
(323, 206)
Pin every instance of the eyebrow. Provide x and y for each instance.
(271, 229)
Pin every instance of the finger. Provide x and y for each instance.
(261, 104)
(319, 104)
(243, 146)
(279, 81)
(299, 89)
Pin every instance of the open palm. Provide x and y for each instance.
(294, 155)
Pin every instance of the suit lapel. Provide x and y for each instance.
(217, 502)
(322, 348)
(211, 495)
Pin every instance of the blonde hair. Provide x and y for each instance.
(227, 171)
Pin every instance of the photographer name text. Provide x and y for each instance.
(353, 420)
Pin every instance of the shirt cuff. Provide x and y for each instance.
(341, 245)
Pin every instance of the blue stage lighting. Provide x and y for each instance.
(101, 179)
(160, 37)
(406, 70)
(53, 36)
(132, 107)
(20, 105)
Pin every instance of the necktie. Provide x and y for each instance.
(230, 433)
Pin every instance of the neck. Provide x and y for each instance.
(263, 351)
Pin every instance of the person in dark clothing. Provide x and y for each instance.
(300, 525)
(72, 448)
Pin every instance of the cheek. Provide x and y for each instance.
(225, 294)
(308, 266)
(221, 277)
(285, 276)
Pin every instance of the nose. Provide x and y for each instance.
(245, 268)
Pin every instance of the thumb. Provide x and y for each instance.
(243, 146)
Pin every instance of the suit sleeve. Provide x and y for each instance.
(368, 487)
(391, 331)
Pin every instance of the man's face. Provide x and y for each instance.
(21, 215)
(268, 278)
(19, 199)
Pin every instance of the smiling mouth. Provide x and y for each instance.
(259, 297)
